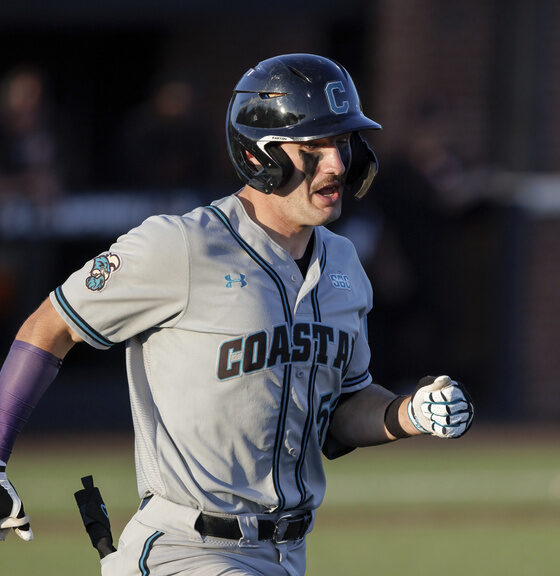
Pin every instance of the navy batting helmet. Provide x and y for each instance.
(295, 98)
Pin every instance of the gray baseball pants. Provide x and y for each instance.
(161, 540)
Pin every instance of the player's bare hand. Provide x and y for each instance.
(12, 514)
(441, 407)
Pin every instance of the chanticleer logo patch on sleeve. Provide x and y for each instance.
(103, 266)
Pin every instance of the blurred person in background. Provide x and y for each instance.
(28, 142)
(29, 171)
(424, 200)
(164, 142)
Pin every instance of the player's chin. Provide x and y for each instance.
(326, 216)
(327, 210)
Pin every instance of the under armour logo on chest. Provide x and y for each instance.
(231, 281)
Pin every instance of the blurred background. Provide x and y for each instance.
(112, 111)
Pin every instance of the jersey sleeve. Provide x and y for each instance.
(141, 282)
(354, 381)
(356, 378)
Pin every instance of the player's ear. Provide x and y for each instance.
(252, 160)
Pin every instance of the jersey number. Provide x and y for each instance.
(323, 416)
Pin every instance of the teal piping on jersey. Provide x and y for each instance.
(280, 431)
(79, 321)
(148, 545)
(281, 427)
(260, 261)
(311, 389)
(356, 380)
(307, 429)
(314, 298)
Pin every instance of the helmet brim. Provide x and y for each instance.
(313, 130)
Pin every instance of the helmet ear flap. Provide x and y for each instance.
(274, 171)
(363, 168)
(283, 161)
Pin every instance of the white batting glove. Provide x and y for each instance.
(441, 407)
(12, 515)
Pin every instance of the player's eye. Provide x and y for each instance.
(310, 145)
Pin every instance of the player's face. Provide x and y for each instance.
(313, 194)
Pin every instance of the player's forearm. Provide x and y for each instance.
(30, 367)
(360, 421)
(25, 376)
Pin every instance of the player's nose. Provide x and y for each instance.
(334, 160)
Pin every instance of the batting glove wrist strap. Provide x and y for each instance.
(441, 407)
(392, 422)
(95, 516)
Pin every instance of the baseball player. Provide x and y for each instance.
(246, 348)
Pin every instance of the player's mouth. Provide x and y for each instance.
(329, 194)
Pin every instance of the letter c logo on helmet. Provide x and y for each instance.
(330, 90)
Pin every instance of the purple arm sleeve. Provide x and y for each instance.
(25, 376)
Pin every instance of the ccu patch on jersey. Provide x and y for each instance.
(340, 281)
(103, 266)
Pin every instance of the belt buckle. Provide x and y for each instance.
(280, 528)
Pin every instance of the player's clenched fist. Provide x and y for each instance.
(12, 514)
(441, 407)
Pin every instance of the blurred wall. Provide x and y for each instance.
(479, 76)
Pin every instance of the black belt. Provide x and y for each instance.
(286, 527)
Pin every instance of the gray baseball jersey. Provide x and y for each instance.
(235, 361)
